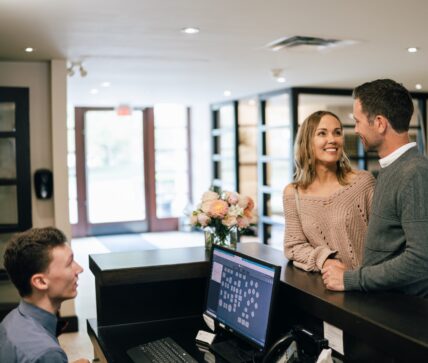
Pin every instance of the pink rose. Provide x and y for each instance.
(243, 222)
(233, 198)
(206, 206)
(218, 209)
(203, 219)
(229, 221)
(250, 204)
(248, 213)
(246, 202)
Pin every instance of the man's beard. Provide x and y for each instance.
(368, 147)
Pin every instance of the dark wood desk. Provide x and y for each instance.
(138, 287)
(115, 340)
(145, 285)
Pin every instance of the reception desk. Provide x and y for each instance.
(144, 295)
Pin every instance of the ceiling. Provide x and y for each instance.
(138, 47)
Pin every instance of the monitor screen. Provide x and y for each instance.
(240, 294)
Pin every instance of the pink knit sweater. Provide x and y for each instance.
(332, 226)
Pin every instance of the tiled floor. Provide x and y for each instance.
(78, 345)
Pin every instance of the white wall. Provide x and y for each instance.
(201, 150)
(59, 145)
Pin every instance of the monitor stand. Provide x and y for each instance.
(234, 351)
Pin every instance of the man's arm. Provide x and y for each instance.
(405, 269)
(401, 271)
(410, 265)
(57, 356)
(53, 356)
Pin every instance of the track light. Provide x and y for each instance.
(71, 70)
(83, 72)
(278, 75)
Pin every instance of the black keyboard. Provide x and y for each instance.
(164, 350)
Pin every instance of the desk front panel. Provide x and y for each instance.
(125, 304)
(381, 326)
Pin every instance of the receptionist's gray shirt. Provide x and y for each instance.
(27, 335)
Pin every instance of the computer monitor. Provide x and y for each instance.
(240, 295)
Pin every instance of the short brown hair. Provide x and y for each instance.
(28, 253)
(304, 154)
(387, 98)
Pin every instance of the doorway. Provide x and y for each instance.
(126, 177)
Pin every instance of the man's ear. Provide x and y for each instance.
(381, 124)
(39, 281)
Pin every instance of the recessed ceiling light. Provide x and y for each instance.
(227, 93)
(280, 79)
(412, 49)
(190, 30)
(94, 91)
(418, 86)
(29, 50)
(105, 84)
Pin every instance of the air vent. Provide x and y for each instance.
(302, 41)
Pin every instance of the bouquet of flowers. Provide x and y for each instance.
(223, 213)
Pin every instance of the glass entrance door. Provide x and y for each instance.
(125, 174)
(114, 171)
(112, 197)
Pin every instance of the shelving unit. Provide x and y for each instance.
(279, 115)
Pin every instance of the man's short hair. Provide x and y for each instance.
(387, 98)
(28, 253)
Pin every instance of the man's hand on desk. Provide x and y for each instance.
(332, 275)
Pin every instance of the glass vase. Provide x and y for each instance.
(228, 239)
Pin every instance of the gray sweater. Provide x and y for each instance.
(396, 249)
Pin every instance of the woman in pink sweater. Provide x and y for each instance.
(327, 206)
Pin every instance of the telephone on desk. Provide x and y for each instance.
(298, 346)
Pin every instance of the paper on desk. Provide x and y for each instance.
(209, 321)
(334, 336)
(325, 356)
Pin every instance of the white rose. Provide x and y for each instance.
(236, 211)
(209, 195)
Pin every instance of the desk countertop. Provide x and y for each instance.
(149, 266)
(396, 320)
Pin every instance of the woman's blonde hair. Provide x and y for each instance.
(304, 155)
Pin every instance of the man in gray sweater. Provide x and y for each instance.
(396, 249)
